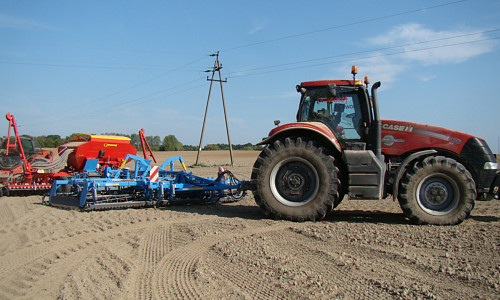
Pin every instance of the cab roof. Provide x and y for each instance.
(327, 82)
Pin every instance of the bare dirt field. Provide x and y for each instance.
(364, 250)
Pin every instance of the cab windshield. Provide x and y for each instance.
(342, 112)
(29, 146)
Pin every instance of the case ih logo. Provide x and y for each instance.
(396, 127)
(334, 100)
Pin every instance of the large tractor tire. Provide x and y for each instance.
(293, 179)
(437, 190)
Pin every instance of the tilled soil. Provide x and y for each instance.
(364, 250)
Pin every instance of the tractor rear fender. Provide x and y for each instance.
(313, 130)
(402, 168)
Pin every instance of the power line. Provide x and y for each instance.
(137, 84)
(100, 49)
(134, 102)
(41, 64)
(123, 104)
(368, 51)
(365, 58)
(83, 65)
(344, 25)
(151, 79)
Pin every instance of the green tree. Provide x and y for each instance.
(154, 142)
(170, 143)
(190, 148)
(49, 141)
(247, 146)
(135, 140)
(210, 147)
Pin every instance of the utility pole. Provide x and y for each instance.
(216, 68)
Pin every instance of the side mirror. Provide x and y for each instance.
(333, 89)
(300, 89)
(277, 122)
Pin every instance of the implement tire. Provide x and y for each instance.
(294, 180)
(437, 190)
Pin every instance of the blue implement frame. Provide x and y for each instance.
(125, 188)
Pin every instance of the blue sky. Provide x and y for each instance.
(119, 66)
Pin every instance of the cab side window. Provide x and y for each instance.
(350, 118)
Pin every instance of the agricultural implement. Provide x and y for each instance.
(28, 169)
(145, 186)
(25, 167)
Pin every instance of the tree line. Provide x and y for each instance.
(168, 143)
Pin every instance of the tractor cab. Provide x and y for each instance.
(339, 104)
(10, 152)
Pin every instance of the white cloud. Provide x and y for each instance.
(429, 47)
(20, 23)
(426, 78)
(257, 26)
(379, 68)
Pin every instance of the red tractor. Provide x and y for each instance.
(339, 146)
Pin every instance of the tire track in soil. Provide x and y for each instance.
(6, 214)
(59, 226)
(13, 208)
(269, 271)
(352, 270)
(44, 255)
(431, 279)
(391, 272)
(35, 266)
(25, 230)
(239, 281)
(176, 277)
(101, 276)
(55, 260)
(156, 244)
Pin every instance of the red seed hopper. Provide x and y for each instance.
(110, 150)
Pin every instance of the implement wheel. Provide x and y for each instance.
(437, 190)
(294, 180)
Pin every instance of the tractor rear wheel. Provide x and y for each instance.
(437, 190)
(293, 179)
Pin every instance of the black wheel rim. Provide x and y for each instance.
(294, 181)
(438, 194)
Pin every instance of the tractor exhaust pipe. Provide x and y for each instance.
(377, 124)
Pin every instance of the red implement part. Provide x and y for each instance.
(145, 141)
(23, 176)
(110, 150)
(17, 141)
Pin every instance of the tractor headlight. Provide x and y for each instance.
(490, 166)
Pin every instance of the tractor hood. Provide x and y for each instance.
(400, 137)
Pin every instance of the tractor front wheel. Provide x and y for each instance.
(437, 190)
(293, 179)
